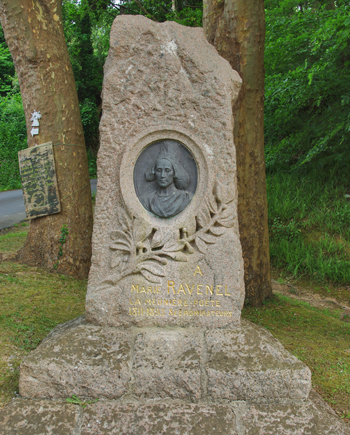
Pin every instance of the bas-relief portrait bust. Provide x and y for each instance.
(165, 178)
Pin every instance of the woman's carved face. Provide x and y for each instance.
(164, 173)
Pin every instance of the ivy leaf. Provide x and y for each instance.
(202, 246)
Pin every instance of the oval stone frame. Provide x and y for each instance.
(129, 160)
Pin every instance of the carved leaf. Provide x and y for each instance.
(219, 192)
(218, 231)
(120, 246)
(159, 259)
(150, 277)
(223, 194)
(152, 267)
(177, 256)
(208, 238)
(201, 245)
(119, 259)
(124, 219)
(161, 237)
(120, 236)
(212, 204)
(228, 222)
(203, 217)
(141, 230)
(116, 260)
(174, 244)
(228, 212)
(190, 226)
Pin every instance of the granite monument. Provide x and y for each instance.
(162, 345)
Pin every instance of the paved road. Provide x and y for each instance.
(12, 208)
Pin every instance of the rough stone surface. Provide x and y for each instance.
(39, 417)
(78, 358)
(166, 363)
(163, 81)
(174, 417)
(249, 363)
(150, 363)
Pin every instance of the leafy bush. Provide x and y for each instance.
(307, 116)
(13, 138)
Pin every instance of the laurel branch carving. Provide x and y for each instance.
(139, 248)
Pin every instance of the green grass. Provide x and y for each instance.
(12, 240)
(319, 338)
(309, 222)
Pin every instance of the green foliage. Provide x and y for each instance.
(307, 117)
(13, 138)
(62, 240)
(7, 69)
(76, 401)
(309, 221)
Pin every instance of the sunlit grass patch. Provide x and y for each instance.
(318, 337)
(13, 239)
(33, 301)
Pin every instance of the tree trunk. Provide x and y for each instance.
(34, 33)
(237, 30)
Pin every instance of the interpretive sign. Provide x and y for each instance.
(39, 182)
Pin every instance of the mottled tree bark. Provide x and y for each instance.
(237, 29)
(34, 33)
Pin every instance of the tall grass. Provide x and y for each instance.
(309, 221)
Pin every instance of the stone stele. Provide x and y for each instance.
(162, 347)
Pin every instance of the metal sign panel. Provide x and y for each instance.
(39, 181)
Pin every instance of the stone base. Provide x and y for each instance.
(45, 417)
(190, 364)
(166, 381)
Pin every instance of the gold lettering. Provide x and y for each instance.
(171, 312)
(218, 303)
(195, 302)
(227, 294)
(149, 290)
(179, 303)
(143, 290)
(190, 291)
(185, 303)
(166, 301)
(138, 302)
(206, 303)
(158, 290)
(199, 286)
(217, 290)
(181, 289)
(210, 288)
(134, 288)
(186, 313)
(171, 285)
(198, 270)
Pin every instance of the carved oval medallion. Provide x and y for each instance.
(165, 178)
